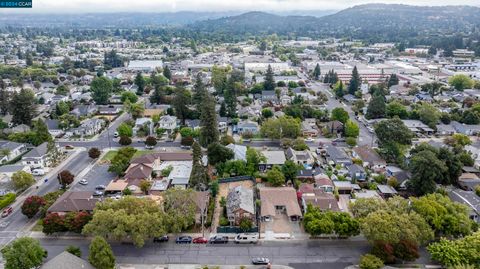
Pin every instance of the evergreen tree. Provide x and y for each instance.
(101, 88)
(392, 80)
(354, 81)
(157, 96)
(23, 107)
(4, 100)
(200, 93)
(140, 82)
(223, 110)
(316, 72)
(269, 81)
(231, 98)
(180, 103)
(101, 254)
(208, 122)
(29, 59)
(198, 176)
(41, 133)
(376, 108)
(167, 73)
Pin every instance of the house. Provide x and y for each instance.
(66, 260)
(445, 129)
(240, 151)
(240, 205)
(38, 157)
(465, 128)
(468, 181)
(74, 201)
(84, 110)
(89, 127)
(468, 198)
(418, 127)
(309, 130)
(54, 128)
(194, 124)
(334, 127)
(369, 157)
(401, 175)
(247, 126)
(109, 110)
(308, 174)
(343, 187)
(201, 199)
(357, 172)
(21, 128)
(386, 191)
(302, 157)
(324, 184)
(282, 200)
(336, 156)
(269, 97)
(222, 124)
(274, 157)
(10, 150)
(147, 125)
(138, 172)
(6, 171)
(325, 201)
(168, 123)
(179, 175)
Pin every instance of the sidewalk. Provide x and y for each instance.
(196, 266)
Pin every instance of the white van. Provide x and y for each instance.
(251, 238)
(38, 172)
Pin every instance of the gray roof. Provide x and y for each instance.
(52, 124)
(65, 260)
(274, 157)
(386, 189)
(240, 198)
(37, 152)
(9, 145)
(336, 154)
(11, 168)
(468, 198)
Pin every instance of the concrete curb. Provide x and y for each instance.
(197, 266)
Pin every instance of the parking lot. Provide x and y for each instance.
(98, 175)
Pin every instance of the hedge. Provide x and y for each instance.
(7, 199)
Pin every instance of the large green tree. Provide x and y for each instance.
(376, 108)
(101, 88)
(355, 82)
(317, 72)
(100, 254)
(208, 122)
(198, 176)
(180, 103)
(269, 81)
(23, 106)
(426, 169)
(140, 82)
(275, 176)
(180, 208)
(218, 153)
(22, 180)
(461, 82)
(23, 253)
(340, 114)
(281, 127)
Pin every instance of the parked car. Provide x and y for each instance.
(7, 211)
(341, 139)
(100, 187)
(98, 193)
(218, 239)
(200, 240)
(160, 239)
(83, 181)
(185, 239)
(38, 172)
(69, 147)
(246, 238)
(149, 147)
(115, 134)
(261, 261)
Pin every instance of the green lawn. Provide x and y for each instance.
(109, 155)
(38, 226)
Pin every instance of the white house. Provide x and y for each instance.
(11, 150)
(168, 122)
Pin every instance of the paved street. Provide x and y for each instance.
(284, 253)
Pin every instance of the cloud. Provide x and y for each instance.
(73, 6)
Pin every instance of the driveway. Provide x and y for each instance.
(282, 227)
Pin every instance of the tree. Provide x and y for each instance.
(426, 169)
(340, 114)
(74, 250)
(167, 73)
(376, 108)
(125, 130)
(140, 82)
(62, 108)
(219, 78)
(269, 81)
(145, 186)
(267, 113)
(395, 109)
(458, 141)
(392, 80)
(275, 176)
(23, 106)
(151, 141)
(369, 261)
(254, 158)
(22, 180)
(121, 160)
(217, 153)
(100, 254)
(227, 139)
(130, 96)
(125, 140)
(317, 223)
(23, 253)
(131, 218)
(351, 129)
(101, 88)
(393, 131)
(208, 123)
(433, 88)
(180, 102)
(180, 208)
(355, 82)
(200, 93)
(94, 153)
(290, 170)
(65, 178)
(31, 206)
(339, 89)
(281, 127)
(158, 95)
(461, 82)
(316, 72)
(456, 252)
(429, 115)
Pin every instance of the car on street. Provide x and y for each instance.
(4, 224)
(98, 193)
(251, 238)
(7, 211)
(38, 172)
(185, 239)
(310, 139)
(218, 239)
(260, 261)
(115, 134)
(160, 239)
(149, 147)
(341, 139)
(69, 147)
(100, 187)
(200, 240)
(83, 181)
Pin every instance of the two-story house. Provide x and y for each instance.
(240, 205)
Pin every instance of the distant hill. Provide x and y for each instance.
(362, 19)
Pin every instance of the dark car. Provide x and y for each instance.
(200, 240)
(183, 240)
(160, 239)
(100, 187)
(260, 260)
(6, 212)
(218, 239)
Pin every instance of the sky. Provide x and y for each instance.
(82, 6)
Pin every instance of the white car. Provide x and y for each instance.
(83, 182)
(38, 172)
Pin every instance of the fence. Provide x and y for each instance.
(235, 179)
(235, 230)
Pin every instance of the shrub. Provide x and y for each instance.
(369, 261)
(7, 199)
(223, 221)
(125, 141)
(74, 250)
(187, 141)
(94, 153)
(351, 141)
(31, 206)
(477, 190)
